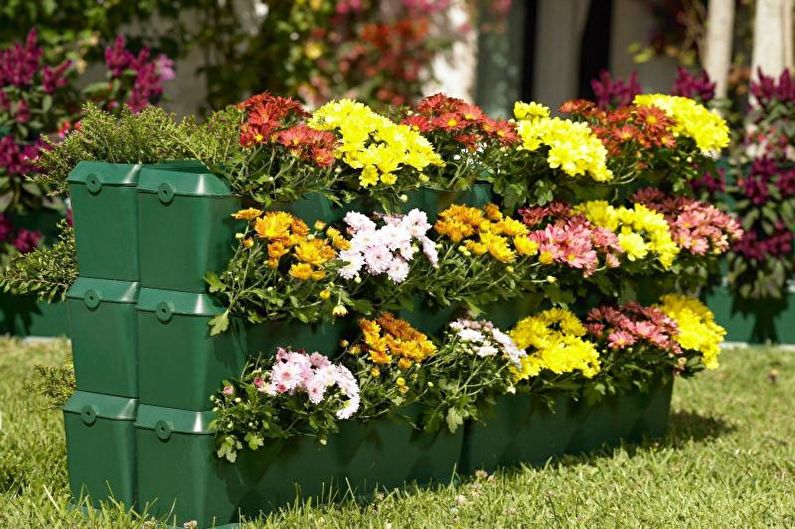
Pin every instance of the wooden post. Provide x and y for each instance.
(772, 50)
(718, 45)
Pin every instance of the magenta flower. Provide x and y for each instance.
(19, 64)
(698, 87)
(5, 227)
(612, 93)
(117, 57)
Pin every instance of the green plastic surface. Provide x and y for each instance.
(181, 365)
(429, 318)
(523, 429)
(186, 229)
(100, 447)
(182, 469)
(104, 205)
(754, 321)
(102, 321)
(507, 313)
(314, 207)
(433, 201)
(433, 319)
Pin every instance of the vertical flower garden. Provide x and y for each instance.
(442, 264)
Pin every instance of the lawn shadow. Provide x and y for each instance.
(687, 426)
(683, 427)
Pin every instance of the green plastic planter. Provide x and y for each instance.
(186, 229)
(104, 205)
(264, 338)
(505, 314)
(100, 447)
(433, 201)
(178, 466)
(314, 207)
(524, 429)
(427, 317)
(102, 322)
(629, 417)
(433, 319)
(754, 321)
(180, 365)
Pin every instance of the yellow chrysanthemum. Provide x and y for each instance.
(530, 110)
(389, 337)
(697, 328)
(707, 128)
(274, 225)
(640, 230)
(247, 214)
(525, 245)
(554, 341)
(302, 271)
(315, 252)
(573, 147)
(373, 143)
(498, 247)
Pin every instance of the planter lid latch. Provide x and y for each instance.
(164, 311)
(165, 192)
(94, 183)
(92, 299)
(163, 430)
(88, 414)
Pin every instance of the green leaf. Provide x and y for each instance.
(454, 419)
(219, 324)
(214, 282)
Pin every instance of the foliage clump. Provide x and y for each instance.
(46, 273)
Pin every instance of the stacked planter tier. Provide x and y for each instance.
(138, 428)
(99, 418)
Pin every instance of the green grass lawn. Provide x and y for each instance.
(728, 462)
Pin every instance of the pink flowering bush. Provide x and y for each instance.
(134, 80)
(39, 104)
(635, 341)
(762, 263)
(292, 393)
(697, 227)
(570, 240)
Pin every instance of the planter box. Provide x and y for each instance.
(180, 365)
(524, 429)
(100, 441)
(433, 201)
(104, 205)
(433, 320)
(103, 332)
(314, 207)
(177, 466)
(754, 321)
(186, 229)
